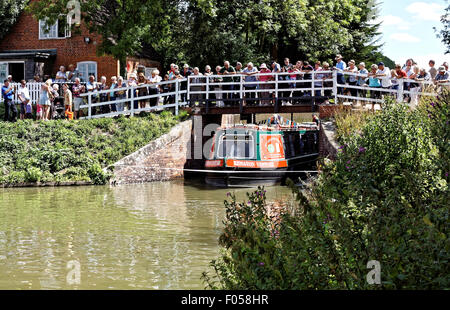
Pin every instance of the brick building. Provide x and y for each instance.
(31, 49)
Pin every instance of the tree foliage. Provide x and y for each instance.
(207, 31)
(252, 30)
(9, 11)
(444, 34)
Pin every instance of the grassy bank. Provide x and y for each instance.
(67, 151)
(385, 198)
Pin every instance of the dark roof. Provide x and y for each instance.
(28, 54)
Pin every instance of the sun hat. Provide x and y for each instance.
(263, 66)
(338, 56)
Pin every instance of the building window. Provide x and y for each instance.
(87, 68)
(59, 30)
(3, 71)
(14, 68)
(236, 146)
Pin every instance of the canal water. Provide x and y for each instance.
(150, 236)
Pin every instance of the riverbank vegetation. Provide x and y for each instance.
(71, 151)
(385, 198)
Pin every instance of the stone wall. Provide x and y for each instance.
(328, 146)
(160, 160)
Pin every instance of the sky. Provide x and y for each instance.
(407, 30)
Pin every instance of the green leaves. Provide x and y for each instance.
(204, 32)
(391, 206)
(9, 12)
(59, 151)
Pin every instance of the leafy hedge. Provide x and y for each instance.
(385, 198)
(57, 151)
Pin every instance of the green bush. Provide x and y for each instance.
(57, 151)
(33, 175)
(97, 175)
(385, 198)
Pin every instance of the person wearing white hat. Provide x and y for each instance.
(218, 88)
(340, 67)
(442, 76)
(264, 84)
(352, 80)
(132, 81)
(185, 73)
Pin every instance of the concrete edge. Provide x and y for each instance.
(329, 131)
(175, 133)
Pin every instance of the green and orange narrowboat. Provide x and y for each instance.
(253, 155)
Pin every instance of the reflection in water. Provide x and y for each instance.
(150, 236)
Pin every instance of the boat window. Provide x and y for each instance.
(299, 144)
(292, 145)
(236, 146)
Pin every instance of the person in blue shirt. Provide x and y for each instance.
(8, 95)
(340, 68)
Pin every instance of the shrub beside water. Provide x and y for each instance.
(385, 198)
(58, 151)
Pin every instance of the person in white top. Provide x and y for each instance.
(385, 76)
(194, 98)
(61, 75)
(414, 87)
(25, 100)
(154, 87)
(352, 80)
(132, 81)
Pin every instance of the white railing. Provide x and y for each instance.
(33, 88)
(239, 89)
(424, 88)
(132, 100)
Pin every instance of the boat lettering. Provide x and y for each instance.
(213, 163)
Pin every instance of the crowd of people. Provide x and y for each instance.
(224, 86)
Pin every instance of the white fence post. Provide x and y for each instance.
(89, 105)
(188, 90)
(207, 89)
(276, 89)
(400, 90)
(241, 92)
(177, 87)
(132, 101)
(313, 91)
(335, 88)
